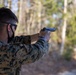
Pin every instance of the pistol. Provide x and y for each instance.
(49, 29)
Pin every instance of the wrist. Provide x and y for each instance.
(43, 38)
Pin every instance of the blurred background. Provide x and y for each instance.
(33, 15)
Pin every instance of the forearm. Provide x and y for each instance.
(34, 37)
(26, 39)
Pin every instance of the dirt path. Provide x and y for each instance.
(73, 72)
(48, 66)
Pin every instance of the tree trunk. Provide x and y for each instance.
(9, 4)
(21, 27)
(64, 28)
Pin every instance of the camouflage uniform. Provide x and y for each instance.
(18, 52)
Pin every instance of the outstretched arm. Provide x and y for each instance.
(31, 53)
(26, 39)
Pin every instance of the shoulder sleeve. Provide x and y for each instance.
(22, 39)
(31, 53)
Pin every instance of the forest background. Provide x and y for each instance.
(33, 15)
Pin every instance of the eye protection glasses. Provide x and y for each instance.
(15, 25)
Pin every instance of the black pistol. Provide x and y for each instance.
(49, 29)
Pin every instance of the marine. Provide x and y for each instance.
(18, 50)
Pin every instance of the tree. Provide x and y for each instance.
(71, 29)
(64, 28)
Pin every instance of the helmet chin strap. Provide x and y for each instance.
(10, 38)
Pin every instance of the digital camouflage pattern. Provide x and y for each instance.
(18, 52)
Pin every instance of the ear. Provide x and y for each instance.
(9, 27)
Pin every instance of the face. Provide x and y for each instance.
(10, 28)
(10, 31)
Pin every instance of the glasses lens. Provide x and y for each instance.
(14, 25)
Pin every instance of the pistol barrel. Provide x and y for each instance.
(49, 29)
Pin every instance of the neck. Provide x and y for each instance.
(3, 38)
